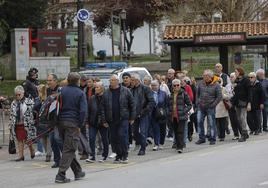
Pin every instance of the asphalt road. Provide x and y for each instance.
(227, 164)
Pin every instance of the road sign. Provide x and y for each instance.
(83, 15)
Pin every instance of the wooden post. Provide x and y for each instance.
(175, 57)
(223, 50)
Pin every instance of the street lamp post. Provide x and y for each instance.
(123, 16)
(81, 46)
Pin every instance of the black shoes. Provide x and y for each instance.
(48, 158)
(55, 165)
(61, 179)
(33, 156)
(198, 142)
(20, 159)
(221, 139)
(242, 139)
(212, 143)
(141, 152)
(79, 175)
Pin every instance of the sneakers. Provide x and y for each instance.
(112, 156)
(179, 150)
(161, 147)
(235, 138)
(198, 142)
(91, 160)
(61, 179)
(242, 139)
(155, 148)
(79, 175)
(170, 138)
(149, 140)
(103, 160)
(39, 154)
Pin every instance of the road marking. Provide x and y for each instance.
(206, 154)
(263, 183)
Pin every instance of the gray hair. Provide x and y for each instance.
(99, 84)
(260, 71)
(252, 74)
(233, 74)
(19, 89)
(73, 78)
(147, 78)
(155, 82)
(114, 76)
(208, 72)
(171, 71)
(136, 76)
(176, 81)
(54, 76)
(218, 65)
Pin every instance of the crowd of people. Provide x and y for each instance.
(88, 117)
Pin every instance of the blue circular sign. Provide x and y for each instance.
(83, 15)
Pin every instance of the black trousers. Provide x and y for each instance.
(69, 133)
(264, 119)
(254, 120)
(234, 122)
(163, 132)
(192, 124)
(221, 125)
(178, 127)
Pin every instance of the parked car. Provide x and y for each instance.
(104, 71)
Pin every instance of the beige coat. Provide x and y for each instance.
(220, 108)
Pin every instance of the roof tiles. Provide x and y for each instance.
(187, 31)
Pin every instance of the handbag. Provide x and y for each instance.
(227, 104)
(12, 147)
(160, 113)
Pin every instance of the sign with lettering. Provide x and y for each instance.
(51, 41)
(219, 38)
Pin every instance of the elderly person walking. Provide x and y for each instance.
(208, 96)
(256, 104)
(159, 115)
(179, 107)
(22, 122)
(241, 100)
(231, 111)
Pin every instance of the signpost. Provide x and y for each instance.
(51, 41)
(219, 38)
(83, 15)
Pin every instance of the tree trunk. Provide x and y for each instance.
(130, 40)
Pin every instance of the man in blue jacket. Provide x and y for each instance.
(73, 109)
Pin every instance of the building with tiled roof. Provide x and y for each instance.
(219, 35)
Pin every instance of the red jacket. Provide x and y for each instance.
(189, 91)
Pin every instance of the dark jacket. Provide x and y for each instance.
(30, 88)
(256, 95)
(127, 106)
(241, 91)
(94, 111)
(144, 100)
(264, 83)
(74, 105)
(208, 95)
(184, 105)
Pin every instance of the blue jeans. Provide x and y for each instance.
(201, 114)
(104, 137)
(39, 146)
(56, 145)
(156, 131)
(119, 138)
(141, 131)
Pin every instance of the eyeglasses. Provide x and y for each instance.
(176, 85)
